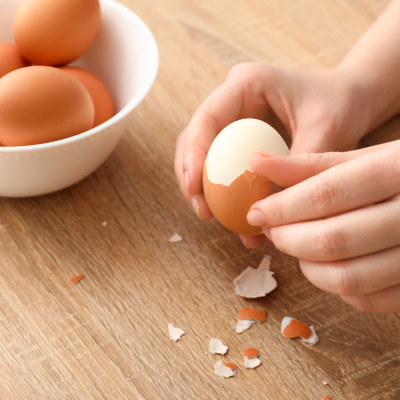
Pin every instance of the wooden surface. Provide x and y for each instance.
(106, 337)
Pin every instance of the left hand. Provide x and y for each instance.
(341, 217)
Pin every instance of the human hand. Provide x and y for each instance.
(321, 111)
(355, 251)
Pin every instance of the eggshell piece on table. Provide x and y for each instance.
(250, 352)
(216, 346)
(296, 329)
(251, 313)
(10, 59)
(76, 279)
(225, 370)
(42, 104)
(103, 104)
(49, 32)
(174, 332)
(292, 328)
(253, 283)
(251, 359)
(230, 186)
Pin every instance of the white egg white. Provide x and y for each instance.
(230, 153)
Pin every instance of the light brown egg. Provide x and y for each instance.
(10, 59)
(55, 32)
(230, 187)
(103, 104)
(42, 104)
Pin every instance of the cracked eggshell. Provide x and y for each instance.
(230, 186)
(175, 332)
(253, 283)
(216, 346)
(225, 370)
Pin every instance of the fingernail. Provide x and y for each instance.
(244, 240)
(267, 233)
(256, 218)
(195, 205)
(187, 181)
(263, 154)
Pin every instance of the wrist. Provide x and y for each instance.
(374, 95)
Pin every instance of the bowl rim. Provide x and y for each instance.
(122, 113)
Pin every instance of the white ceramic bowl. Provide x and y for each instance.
(124, 56)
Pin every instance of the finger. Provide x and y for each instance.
(198, 202)
(355, 276)
(287, 171)
(344, 187)
(383, 301)
(252, 242)
(353, 234)
(240, 96)
(178, 167)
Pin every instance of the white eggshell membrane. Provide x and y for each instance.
(223, 371)
(174, 332)
(216, 346)
(253, 283)
(230, 153)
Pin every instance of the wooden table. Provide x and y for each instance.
(107, 337)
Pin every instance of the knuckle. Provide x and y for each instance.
(324, 195)
(346, 282)
(331, 244)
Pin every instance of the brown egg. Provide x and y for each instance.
(230, 204)
(42, 104)
(55, 32)
(103, 104)
(230, 187)
(10, 59)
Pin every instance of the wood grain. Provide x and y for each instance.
(107, 337)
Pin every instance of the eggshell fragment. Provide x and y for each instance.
(296, 329)
(231, 366)
(254, 283)
(76, 279)
(244, 324)
(251, 313)
(251, 359)
(175, 333)
(225, 370)
(102, 101)
(292, 328)
(175, 238)
(250, 352)
(216, 346)
(42, 104)
(10, 59)
(49, 32)
(230, 186)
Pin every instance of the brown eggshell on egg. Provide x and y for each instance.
(103, 104)
(55, 32)
(42, 104)
(230, 204)
(10, 59)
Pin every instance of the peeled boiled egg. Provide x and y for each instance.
(103, 104)
(10, 59)
(42, 104)
(230, 186)
(55, 32)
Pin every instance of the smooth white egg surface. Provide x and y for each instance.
(230, 153)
